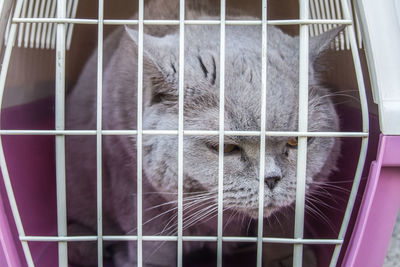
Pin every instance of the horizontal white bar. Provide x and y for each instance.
(58, 238)
(187, 22)
(54, 20)
(47, 132)
(184, 238)
(186, 132)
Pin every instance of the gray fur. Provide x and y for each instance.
(160, 112)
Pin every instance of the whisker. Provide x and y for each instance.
(193, 217)
(322, 216)
(202, 203)
(229, 219)
(277, 219)
(176, 201)
(318, 201)
(167, 228)
(248, 225)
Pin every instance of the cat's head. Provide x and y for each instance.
(242, 113)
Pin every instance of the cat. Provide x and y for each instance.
(201, 112)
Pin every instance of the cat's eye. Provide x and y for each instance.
(292, 142)
(228, 148)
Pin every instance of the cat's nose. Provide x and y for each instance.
(271, 181)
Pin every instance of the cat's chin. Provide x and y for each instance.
(268, 211)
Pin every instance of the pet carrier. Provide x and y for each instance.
(33, 219)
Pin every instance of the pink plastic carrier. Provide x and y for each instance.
(31, 166)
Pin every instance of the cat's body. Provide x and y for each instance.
(160, 152)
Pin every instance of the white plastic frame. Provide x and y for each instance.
(381, 27)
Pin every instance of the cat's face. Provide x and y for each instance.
(242, 113)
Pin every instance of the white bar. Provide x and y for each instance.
(99, 151)
(39, 27)
(51, 26)
(60, 139)
(365, 128)
(28, 25)
(139, 138)
(21, 26)
(328, 13)
(221, 135)
(186, 22)
(302, 141)
(33, 31)
(53, 39)
(71, 26)
(3, 164)
(185, 132)
(7, 31)
(318, 10)
(45, 25)
(323, 13)
(47, 132)
(339, 16)
(313, 29)
(358, 30)
(180, 129)
(264, 53)
(332, 7)
(69, 10)
(185, 238)
(346, 30)
(57, 238)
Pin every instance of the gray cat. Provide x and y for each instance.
(160, 152)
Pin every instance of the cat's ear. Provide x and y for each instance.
(160, 66)
(321, 43)
(318, 46)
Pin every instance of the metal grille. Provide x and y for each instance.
(305, 24)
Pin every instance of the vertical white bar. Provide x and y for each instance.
(346, 31)
(333, 10)
(313, 29)
(28, 25)
(69, 10)
(33, 31)
(318, 10)
(140, 137)
(60, 139)
(5, 14)
(71, 26)
(99, 151)
(51, 25)
(262, 137)
(323, 13)
(328, 13)
(7, 30)
(339, 16)
(365, 128)
(3, 164)
(39, 28)
(302, 141)
(21, 25)
(45, 25)
(358, 30)
(180, 128)
(221, 135)
(53, 39)
(332, 7)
